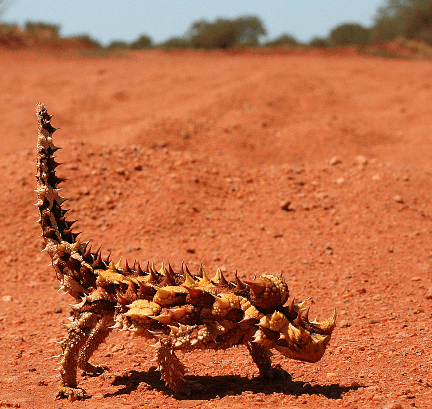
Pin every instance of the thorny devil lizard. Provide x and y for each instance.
(181, 311)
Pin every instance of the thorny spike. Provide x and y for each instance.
(240, 285)
(187, 270)
(98, 263)
(87, 252)
(205, 279)
(153, 277)
(200, 271)
(138, 269)
(302, 317)
(222, 280)
(257, 287)
(291, 306)
(118, 265)
(162, 270)
(169, 274)
(217, 276)
(189, 280)
(170, 270)
(107, 260)
(127, 269)
(305, 316)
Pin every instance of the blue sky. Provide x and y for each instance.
(107, 20)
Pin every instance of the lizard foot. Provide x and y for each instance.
(94, 370)
(190, 388)
(275, 373)
(72, 394)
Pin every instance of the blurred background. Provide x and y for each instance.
(223, 24)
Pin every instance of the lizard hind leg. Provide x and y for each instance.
(78, 334)
(98, 335)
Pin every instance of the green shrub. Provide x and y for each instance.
(349, 34)
(117, 45)
(285, 40)
(318, 42)
(87, 40)
(176, 42)
(42, 31)
(141, 43)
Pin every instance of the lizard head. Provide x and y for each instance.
(290, 332)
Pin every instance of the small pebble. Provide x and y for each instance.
(360, 160)
(285, 205)
(398, 199)
(344, 324)
(335, 160)
(393, 406)
(7, 298)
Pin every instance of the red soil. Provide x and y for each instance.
(198, 156)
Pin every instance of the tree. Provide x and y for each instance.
(349, 34)
(250, 29)
(226, 33)
(411, 19)
(222, 33)
(141, 43)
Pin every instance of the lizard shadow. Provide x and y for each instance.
(214, 386)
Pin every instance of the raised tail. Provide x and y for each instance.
(71, 260)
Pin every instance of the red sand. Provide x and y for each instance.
(191, 156)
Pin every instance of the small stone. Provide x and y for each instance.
(7, 298)
(398, 199)
(360, 160)
(285, 205)
(328, 249)
(335, 160)
(57, 310)
(344, 324)
(117, 348)
(340, 181)
(393, 406)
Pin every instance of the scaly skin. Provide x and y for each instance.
(179, 310)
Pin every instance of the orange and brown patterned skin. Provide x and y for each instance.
(179, 310)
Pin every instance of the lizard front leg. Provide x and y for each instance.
(172, 370)
(96, 337)
(261, 356)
